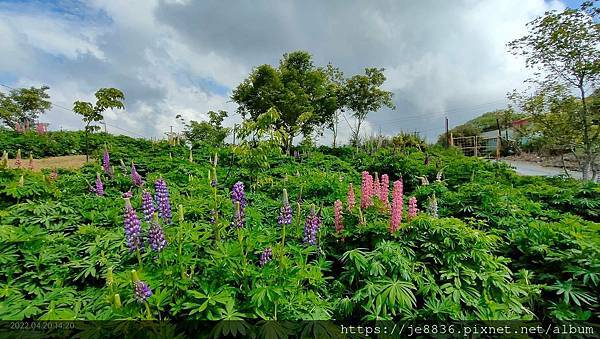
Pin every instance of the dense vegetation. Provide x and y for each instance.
(496, 246)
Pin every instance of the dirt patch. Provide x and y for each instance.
(64, 162)
(547, 160)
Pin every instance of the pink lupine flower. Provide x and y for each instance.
(337, 210)
(18, 127)
(18, 161)
(31, 165)
(366, 190)
(376, 186)
(351, 197)
(384, 189)
(412, 208)
(397, 205)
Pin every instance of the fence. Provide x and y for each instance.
(477, 146)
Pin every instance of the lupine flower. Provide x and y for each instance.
(135, 176)
(238, 217)
(156, 236)
(351, 197)
(162, 199)
(397, 205)
(366, 190)
(265, 256)
(285, 212)
(106, 161)
(376, 186)
(133, 228)
(31, 166)
(40, 128)
(433, 206)
(296, 154)
(311, 227)
(148, 205)
(213, 177)
(212, 216)
(21, 181)
(99, 189)
(53, 175)
(127, 194)
(384, 189)
(337, 212)
(142, 291)
(4, 160)
(238, 195)
(18, 162)
(18, 127)
(412, 207)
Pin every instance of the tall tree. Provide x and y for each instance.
(363, 94)
(565, 48)
(297, 89)
(23, 105)
(106, 98)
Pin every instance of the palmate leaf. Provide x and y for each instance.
(396, 294)
(572, 294)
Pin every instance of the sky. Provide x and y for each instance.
(169, 57)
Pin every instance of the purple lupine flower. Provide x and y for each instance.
(238, 195)
(162, 200)
(142, 291)
(135, 176)
(212, 216)
(106, 161)
(99, 189)
(238, 216)
(213, 177)
(265, 256)
(285, 212)
(133, 228)
(311, 227)
(148, 205)
(156, 236)
(127, 194)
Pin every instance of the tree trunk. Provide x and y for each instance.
(87, 152)
(586, 166)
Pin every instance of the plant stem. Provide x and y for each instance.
(139, 256)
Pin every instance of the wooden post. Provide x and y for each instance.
(497, 147)
(476, 146)
(451, 139)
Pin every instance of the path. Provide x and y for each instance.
(530, 168)
(66, 162)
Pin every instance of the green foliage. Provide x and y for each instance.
(503, 246)
(23, 105)
(209, 132)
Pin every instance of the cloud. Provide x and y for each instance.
(185, 57)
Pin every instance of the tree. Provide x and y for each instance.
(298, 90)
(23, 105)
(106, 98)
(556, 117)
(362, 94)
(211, 132)
(564, 47)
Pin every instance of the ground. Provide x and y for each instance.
(66, 162)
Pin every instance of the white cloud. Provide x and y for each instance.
(184, 57)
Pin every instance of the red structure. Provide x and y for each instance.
(520, 123)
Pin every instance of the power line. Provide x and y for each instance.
(70, 110)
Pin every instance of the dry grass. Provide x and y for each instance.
(66, 162)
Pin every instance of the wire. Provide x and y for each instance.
(70, 110)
